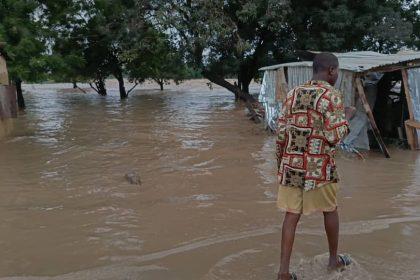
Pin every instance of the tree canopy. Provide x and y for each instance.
(349, 25)
(23, 35)
(165, 40)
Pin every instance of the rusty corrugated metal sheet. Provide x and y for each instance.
(360, 61)
(8, 106)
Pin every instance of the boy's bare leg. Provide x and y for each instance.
(331, 222)
(287, 238)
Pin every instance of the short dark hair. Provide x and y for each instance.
(323, 61)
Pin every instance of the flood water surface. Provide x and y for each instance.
(205, 208)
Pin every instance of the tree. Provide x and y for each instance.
(114, 28)
(222, 38)
(348, 25)
(167, 66)
(89, 40)
(412, 14)
(156, 59)
(65, 22)
(22, 32)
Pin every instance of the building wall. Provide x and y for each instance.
(301, 74)
(8, 109)
(6, 127)
(4, 77)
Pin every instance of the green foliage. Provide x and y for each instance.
(155, 59)
(411, 13)
(96, 39)
(65, 21)
(348, 25)
(165, 40)
(23, 35)
(224, 37)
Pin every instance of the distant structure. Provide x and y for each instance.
(384, 88)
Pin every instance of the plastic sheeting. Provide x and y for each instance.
(267, 98)
(414, 85)
(297, 76)
(359, 124)
(301, 74)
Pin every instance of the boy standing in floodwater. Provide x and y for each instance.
(312, 123)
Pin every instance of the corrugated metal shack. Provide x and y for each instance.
(8, 106)
(363, 79)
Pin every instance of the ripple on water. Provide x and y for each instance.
(315, 269)
(195, 197)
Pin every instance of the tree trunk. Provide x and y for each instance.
(100, 85)
(240, 80)
(245, 86)
(236, 95)
(120, 79)
(235, 89)
(160, 82)
(250, 101)
(245, 77)
(19, 93)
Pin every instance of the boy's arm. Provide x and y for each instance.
(336, 127)
(281, 134)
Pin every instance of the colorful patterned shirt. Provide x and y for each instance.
(311, 124)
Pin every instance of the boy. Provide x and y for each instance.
(312, 123)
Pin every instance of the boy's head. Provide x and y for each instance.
(325, 67)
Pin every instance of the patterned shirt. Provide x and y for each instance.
(311, 124)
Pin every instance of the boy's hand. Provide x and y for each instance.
(349, 112)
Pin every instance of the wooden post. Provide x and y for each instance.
(362, 96)
(410, 131)
(281, 85)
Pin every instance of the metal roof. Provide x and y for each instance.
(360, 61)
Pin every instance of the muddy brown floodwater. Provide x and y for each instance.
(205, 208)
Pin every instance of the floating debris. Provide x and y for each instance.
(133, 177)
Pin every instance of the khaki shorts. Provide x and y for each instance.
(298, 201)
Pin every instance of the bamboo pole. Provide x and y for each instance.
(376, 133)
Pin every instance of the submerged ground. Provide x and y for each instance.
(206, 205)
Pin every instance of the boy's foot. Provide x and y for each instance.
(286, 276)
(341, 262)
